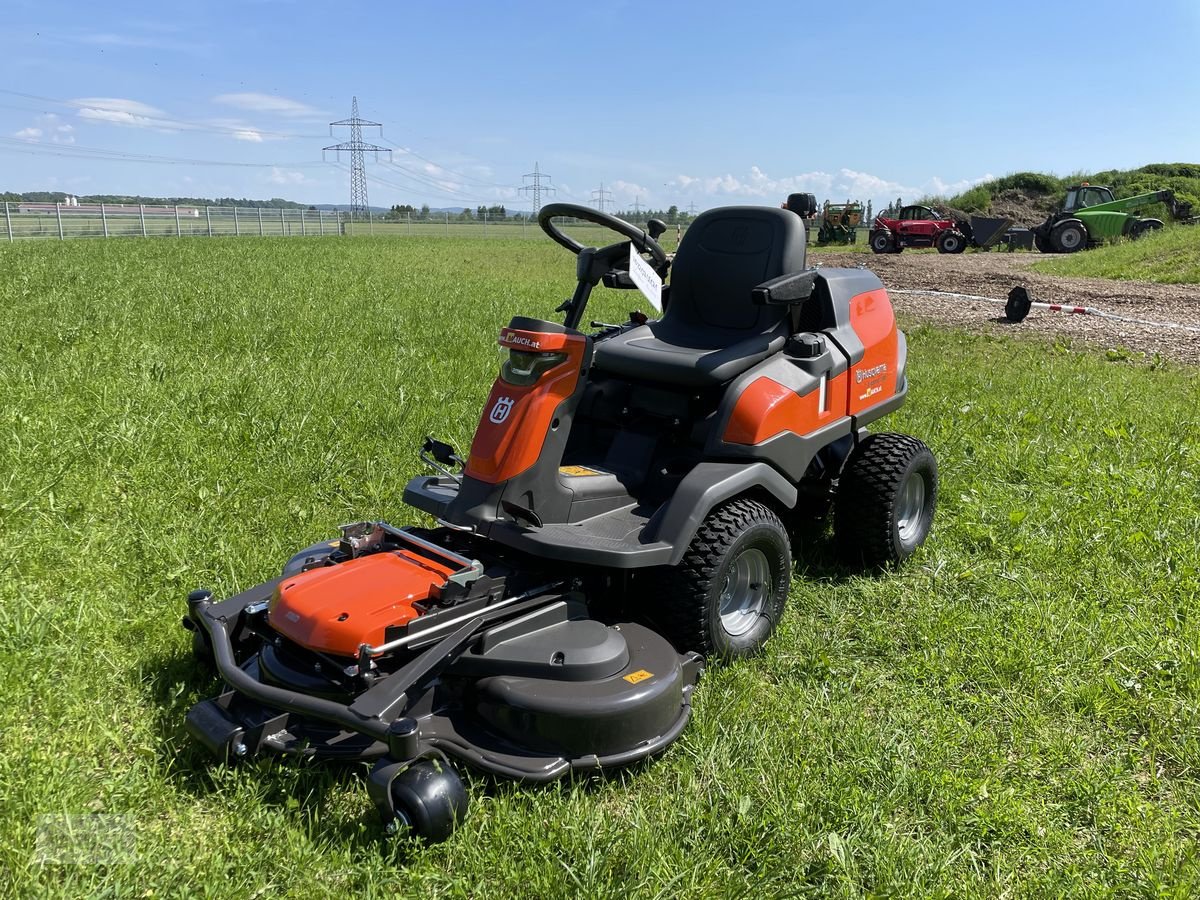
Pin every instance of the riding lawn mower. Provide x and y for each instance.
(625, 512)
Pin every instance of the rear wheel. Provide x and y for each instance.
(951, 241)
(886, 498)
(1069, 236)
(727, 595)
(1144, 227)
(881, 241)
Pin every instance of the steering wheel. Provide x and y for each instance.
(640, 239)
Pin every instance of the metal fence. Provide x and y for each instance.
(57, 221)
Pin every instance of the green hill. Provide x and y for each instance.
(1029, 196)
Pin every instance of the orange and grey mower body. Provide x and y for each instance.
(625, 510)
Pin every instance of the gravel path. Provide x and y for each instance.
(995, 274)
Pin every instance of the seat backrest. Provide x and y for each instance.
(724, 254)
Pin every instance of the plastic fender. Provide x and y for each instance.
(512, 428)
(873, 379)
(707, 486)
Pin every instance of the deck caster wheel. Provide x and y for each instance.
(727, 595)
(430, 801)
(886, 498)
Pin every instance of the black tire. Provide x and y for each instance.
(886, 499)
(951, 241)
(1069, 236)
(1042, 244)
(881, 241)
(202, 650)
(1144, 227)
(727, 595)
(430, 800)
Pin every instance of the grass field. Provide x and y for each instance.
(1014, 713)
(1171, 257)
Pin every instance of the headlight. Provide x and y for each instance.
(523, 368)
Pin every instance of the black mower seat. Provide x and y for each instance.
(684, 356)
(712, 331)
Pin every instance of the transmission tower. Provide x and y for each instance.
(601, 197)
(637, 206)
(692, 209)
(356, 147)
(536, 189)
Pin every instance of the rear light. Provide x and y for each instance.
(523, 368)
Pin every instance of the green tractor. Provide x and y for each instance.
(1090, 216)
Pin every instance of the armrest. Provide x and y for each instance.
(786, 289)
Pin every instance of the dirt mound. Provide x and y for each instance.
(1026, 209)
(994, 274)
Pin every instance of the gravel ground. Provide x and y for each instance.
(995, 274)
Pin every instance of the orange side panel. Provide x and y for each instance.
(873, 378)
(333, 609)
(767, 408)
(515, 420)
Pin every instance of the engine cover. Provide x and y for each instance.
(334, 609)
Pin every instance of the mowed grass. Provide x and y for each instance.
(1171, 256)
(1013, 713)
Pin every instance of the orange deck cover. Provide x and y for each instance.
(334, 609)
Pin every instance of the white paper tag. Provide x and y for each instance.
(645, 278)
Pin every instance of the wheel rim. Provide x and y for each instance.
(910, 508)
(1071, 238)
(745, 592)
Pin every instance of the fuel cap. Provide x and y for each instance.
(806, 346)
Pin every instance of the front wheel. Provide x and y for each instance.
(1069, 236)
(881, 241)
(886, 498)
(727, 595)
(430, 800)
(951, 241)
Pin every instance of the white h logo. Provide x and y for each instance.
(500, 411)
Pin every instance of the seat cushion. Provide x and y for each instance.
(673, 353)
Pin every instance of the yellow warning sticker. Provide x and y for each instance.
(578, 471)
(639, 675)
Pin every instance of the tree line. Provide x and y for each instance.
(115, 199)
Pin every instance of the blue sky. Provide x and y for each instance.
(663, 102)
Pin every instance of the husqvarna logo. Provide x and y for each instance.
(861, 375)
(500, 411)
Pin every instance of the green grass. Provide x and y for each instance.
(1172, 256)
(1014, 713)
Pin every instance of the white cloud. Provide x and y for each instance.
(625, 192)
(844, 184)
(118, 111)
(47, 126)
(248, 135)
(267, 103)
(287, 176)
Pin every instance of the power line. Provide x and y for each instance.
(601, 197)
(76, 151)
(357, 148)
(466, 179)
(535, 189)
(692, 209)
